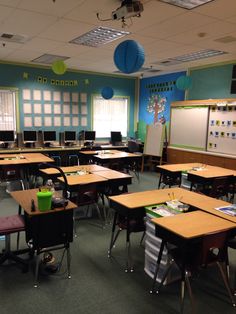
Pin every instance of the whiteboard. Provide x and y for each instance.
(188, 127)
(222, 130)
(153, 145)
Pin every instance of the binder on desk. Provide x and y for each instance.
(229, 210)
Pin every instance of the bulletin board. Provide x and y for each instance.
(222, 130)
(188, 127)
(153, 144)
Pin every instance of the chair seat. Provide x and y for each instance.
(11, 224)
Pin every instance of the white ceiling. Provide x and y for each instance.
(165, 31)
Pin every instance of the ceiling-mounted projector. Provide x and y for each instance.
(127, 9)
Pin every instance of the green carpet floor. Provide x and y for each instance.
(99, 284)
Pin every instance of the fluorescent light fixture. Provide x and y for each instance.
(49, 59)
(99, 36)
(187, 4)
(202, 54)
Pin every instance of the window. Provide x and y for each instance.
(7, 110)
(110, 115)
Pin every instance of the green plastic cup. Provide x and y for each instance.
(44, 200)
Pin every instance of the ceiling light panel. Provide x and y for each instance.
(202, 54)
(99, 36)
(187, 4)
(49, 59)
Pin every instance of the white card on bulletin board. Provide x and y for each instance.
(37, 94)
(83, 97)
(66, 121)
(38, 121)
(57, 109)
(84, 121)
(47, 108)
(26, 94)
(57, 121)
(84, 109)
(66, 97)
(47, 121)
(28, 122)
(75, 109)
(37, 108)
(47, 95)
(75, 97)
(27, 108)
(75, 121)
(56, 96)
(66, 108)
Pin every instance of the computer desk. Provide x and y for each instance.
(132, 205)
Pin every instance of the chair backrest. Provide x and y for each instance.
(221, 186)
(133, 146)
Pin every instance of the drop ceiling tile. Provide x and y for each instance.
(65, 30)
(26, 23)
(175, 25)
(48, 7)
(218, 8)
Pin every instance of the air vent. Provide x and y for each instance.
(49, 59)
(226, 39)
(15, 38)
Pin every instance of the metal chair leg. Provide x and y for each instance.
(68, 261)
(36, 269)
(226, 282)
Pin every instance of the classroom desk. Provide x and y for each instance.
(114, 156)
(131, 205)
(20, 162)
(196, 172)
(186, 231)
(47, 230)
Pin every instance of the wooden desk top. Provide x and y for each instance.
(114, 154)
(87, 168)
(27, 158)
(23, 198)
(113, 175)
(153, 197)
(194, 224)
(90, 178)
(205, 171)
(179, 167)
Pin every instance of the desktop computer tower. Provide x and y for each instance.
(61, 139)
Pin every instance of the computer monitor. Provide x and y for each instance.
(69, 137)
(89, 135)
(49, 137)
(116, 137)
(7, 137)
(30, 136)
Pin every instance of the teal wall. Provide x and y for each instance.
(211, 82)
(40, 78)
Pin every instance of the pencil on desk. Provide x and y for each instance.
(169, 196)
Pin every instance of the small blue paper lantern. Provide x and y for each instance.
(129, 56)
(184, 82)
(107, 92)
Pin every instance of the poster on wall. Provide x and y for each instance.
(156, 95)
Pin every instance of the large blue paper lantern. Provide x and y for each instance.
(184, 82)
(129, 56)
(107, 92)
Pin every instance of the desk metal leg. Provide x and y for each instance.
(37, 269)
(68, 260)
(129, 262)
(112, 234)
(157, 266)
(159, 183)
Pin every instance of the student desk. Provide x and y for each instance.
(196, 172)
(20, 162)
(186, 231)
(112, 156)
(132, 205)
(47, 230)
